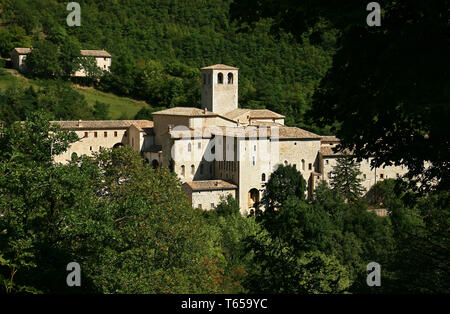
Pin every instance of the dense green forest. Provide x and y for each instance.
(159, 47)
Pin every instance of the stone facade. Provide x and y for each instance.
(220, 149)
(95, 135)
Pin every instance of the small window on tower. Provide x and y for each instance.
(86, 134)
(230, 78)
(220, 78)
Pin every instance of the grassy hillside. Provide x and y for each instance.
(119, 107)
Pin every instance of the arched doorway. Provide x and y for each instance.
(118, 145)
(155, 163)
(253, 198)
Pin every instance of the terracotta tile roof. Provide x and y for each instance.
(329, 138)
(249, 114)
(283, 132)
(236, 113)
(142, 125)
(22, 51)
(264, 114)
(219, 67)
(103, 124)
(286, 132)
(266, 123)
(185, 111)
(95, 53)
(207, 185)
(328, 151)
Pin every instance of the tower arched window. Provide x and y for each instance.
(263, 177)
(230, 78)
(183, 172)
(192, 169)
(189, 147)
(220, 78)
(303, 164)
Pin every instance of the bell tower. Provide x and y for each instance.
(220, 88)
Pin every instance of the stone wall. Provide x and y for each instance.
(95, 140)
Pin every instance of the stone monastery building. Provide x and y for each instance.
(221, 149)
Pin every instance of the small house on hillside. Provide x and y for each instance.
(102, 58)
(18, 56)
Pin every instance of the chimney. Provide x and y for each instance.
(79, 123)
(205, 110)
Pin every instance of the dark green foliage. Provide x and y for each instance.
(12, 37)
(159, 46)
(346, 179)
(101, 111)
(129, 226)
(382, 193)
(389, 86)
(57, 98)
(43, 61)
(231, 231)
(283, 183)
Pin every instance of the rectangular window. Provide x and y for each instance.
(115, 133)
(105, 134)
(200, 206)
(199, 145)
(95, 134)
(310, 166)
(327, 161)
(212, 205)
(86, 134)
(381, 176)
